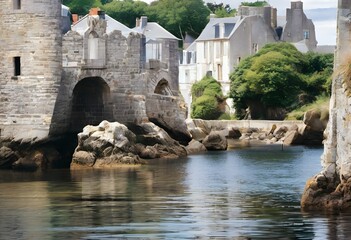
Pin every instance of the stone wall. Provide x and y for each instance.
(32, 34)
(126, 79)
(331, 187)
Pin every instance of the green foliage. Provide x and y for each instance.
(255, 4)
(207, 99)
(279, 76)
(81, 7)
(318, 72)
(221, 10)
(180, 16)
(177, 16)
(126, 11)
(321, 103)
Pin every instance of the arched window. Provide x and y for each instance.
(162, 88)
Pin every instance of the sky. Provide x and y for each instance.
(322, 12)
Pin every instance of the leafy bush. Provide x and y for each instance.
(255, 4)
(207, 99)
(279, 77)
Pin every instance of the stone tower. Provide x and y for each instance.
(331, 187)
(30, 66)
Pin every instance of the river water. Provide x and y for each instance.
(240, 194)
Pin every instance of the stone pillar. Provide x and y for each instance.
(331, 187)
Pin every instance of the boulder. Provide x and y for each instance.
(197, 134)
(215, 141)
(113, 144)
(195, 147)
(35, 160)
(234, 133)
(312, 119)
(290, 137)
(83, 159)
(280, 132)
(7, 157)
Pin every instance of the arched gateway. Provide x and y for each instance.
(91, 103)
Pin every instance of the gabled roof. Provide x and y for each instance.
(82, 25)
(154, 31)
(209, 32)
(191, 48)
(64, 11)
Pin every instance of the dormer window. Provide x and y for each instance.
(16, 4)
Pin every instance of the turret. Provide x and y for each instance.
(30, 66)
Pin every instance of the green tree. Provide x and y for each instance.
(126, 11)
(318, 72)
(180, 16)
(81, 7)
(208, 99)
(279, 77)
(270, 79)
(221, 10)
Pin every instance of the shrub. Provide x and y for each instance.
(207, 99)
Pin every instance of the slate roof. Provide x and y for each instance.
(153, 31)
(209, 32)
(64, 11)
(82, 25)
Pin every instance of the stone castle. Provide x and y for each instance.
(53, 83)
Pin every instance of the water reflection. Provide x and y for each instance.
(222, 195)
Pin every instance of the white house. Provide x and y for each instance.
(226, 41)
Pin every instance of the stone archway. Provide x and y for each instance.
(91, 103)
(163, 88)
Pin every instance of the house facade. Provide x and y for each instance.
(226, 41)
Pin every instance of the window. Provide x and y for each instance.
(17, 66)
(17, 4)
(306, 34)
(219, 69)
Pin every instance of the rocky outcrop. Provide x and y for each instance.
(31, 155)
(219, 135)
(112, 144)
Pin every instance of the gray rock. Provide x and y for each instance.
(7, 157)
(83, 159)
(215, 141)
(195, 147)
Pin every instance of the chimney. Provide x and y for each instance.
(143, 21)
(297, 5)
(75, 18)
(274, 18)
(137, 22)
(94, 11)
(101, 15)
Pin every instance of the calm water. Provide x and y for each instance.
(251, 193)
